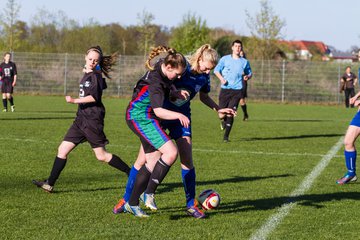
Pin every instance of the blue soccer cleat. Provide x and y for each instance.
(135, 210)
(346, 179)
(195, 212)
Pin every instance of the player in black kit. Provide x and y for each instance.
(8, 75)
(89, 122)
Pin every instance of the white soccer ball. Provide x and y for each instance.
(209, 199)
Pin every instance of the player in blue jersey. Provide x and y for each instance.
(231, 71)
(352, 133)
(195, 79)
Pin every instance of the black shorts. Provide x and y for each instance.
(6, 86)
(229, 98)
(87, 130)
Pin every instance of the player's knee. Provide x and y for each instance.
(170, 157)
(349, 143)
(62, 152)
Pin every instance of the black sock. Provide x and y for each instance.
(228, 126)
(157, 176)
(5, 103)
(117, 163)
(11, 100)
(142, 179)
(243, 107)
(58, 166)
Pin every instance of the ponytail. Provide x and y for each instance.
(205, 53)
(105, 62)
(172, 58)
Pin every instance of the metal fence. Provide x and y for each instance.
(282, 81)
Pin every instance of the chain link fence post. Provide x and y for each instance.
(65, 74)
(119, 80)
(338, 85)
(283, 82)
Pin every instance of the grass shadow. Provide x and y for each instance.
(292, 120)
(310, 200)
(168, 187)
(292, 137)
(35, 118)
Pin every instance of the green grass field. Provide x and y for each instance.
(267, 159)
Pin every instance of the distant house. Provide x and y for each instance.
(306, 50)
(345, 57)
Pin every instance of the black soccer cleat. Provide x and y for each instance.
(44, 185)
(246, 117)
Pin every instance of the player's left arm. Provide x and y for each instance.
(14, 81)
(208, 101)
(247, 71)
(15, 74)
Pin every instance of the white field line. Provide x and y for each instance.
(275, 219)
(194, 149)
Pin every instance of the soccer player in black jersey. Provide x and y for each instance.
(89, 122)
(8, 75)
(143, 116)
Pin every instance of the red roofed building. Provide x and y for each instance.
(305, 50)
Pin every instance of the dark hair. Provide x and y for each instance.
(236, 41)
(348, 67)
(173, 58)
(244, 54)
(105, 62)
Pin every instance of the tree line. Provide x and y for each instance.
(55, 32)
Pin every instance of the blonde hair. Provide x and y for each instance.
(205, 53)
(172, 58)
(105, 62)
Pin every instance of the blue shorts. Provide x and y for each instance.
(176, 130)
(356, 120)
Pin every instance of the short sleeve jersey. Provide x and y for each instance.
(233, 71)
(350, 83)
(149, 93)
(92, 84)
(192, 83)
(8, 71)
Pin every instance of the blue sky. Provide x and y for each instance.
(332, 21)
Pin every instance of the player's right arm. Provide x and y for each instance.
(219, 67)
(87, 99)
(171, 115)
(221, 78)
